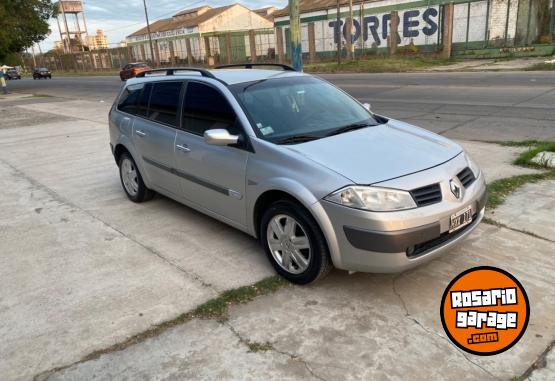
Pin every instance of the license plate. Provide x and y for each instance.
(460, 219)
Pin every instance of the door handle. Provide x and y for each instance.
(183, 147)
(140, 133)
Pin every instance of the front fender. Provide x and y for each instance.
(305, 197)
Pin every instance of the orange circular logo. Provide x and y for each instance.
(485, 310)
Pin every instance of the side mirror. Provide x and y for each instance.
(220, 137)
(367, 106)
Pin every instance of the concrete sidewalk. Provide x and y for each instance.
(83, 269)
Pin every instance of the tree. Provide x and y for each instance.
(23, 23)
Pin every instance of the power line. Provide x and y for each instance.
(155, 17)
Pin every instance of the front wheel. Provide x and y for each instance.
(294, 243)
(132, 181)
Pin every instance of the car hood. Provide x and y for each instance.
(376, 154)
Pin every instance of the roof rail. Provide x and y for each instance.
(172, 70)
(250, 66)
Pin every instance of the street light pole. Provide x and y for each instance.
(338, 31)
(295, 31)
(149, 36)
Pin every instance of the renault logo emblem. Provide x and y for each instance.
(455, 189)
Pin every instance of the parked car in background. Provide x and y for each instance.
(41, 72)
(291, 159)
(131, 70)
(12, 74)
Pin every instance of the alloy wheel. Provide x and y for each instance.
(289, 244)
(129, 177)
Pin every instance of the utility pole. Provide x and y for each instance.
(350, 32)
(149, 36)
(33, 53)
(295, 31)
(338, 29)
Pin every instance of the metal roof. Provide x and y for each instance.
(177, 22)
(319, 5)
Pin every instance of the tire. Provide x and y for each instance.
(317, 261)
(121, 77)
(136, 189)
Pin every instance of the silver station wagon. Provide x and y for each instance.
(297, 163)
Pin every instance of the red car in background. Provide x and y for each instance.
(132, 69)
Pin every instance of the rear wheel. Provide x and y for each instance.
(132, 181)
(294, 243)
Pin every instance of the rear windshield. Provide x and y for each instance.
(140, 65)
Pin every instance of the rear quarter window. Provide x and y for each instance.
(129, 98)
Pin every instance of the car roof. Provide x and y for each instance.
(228, 76)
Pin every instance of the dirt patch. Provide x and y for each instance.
(13, 117)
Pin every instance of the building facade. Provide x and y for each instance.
(193, 35)
(97, 41)
(477, 24)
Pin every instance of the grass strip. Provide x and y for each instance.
(378, 65)
(542, 66)
(499, 190)
(217, 308)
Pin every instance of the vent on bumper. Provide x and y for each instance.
(466, 177)
(427, 195)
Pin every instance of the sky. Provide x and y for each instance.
(119, 18)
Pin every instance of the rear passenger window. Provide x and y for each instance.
(205, 108)
(142, 107)
(128, 100)
(164, 102)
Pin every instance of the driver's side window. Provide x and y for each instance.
(205, 108)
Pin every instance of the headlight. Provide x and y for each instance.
(472, 165)
(372, 198)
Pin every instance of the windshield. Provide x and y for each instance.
(303, 107)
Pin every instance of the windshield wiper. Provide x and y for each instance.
(297, 139)
(350, 127)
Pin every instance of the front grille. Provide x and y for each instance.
(421, 248)
(427, 195)
(466, 177)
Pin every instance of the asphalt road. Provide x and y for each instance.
(488, 106)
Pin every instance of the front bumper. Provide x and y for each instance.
(385, 242)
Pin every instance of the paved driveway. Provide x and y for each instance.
(83, 268)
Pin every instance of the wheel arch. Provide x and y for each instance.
(276, 190)
(122, 146)
(119, 149)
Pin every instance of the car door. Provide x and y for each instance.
(211, 176)
(154, 132)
